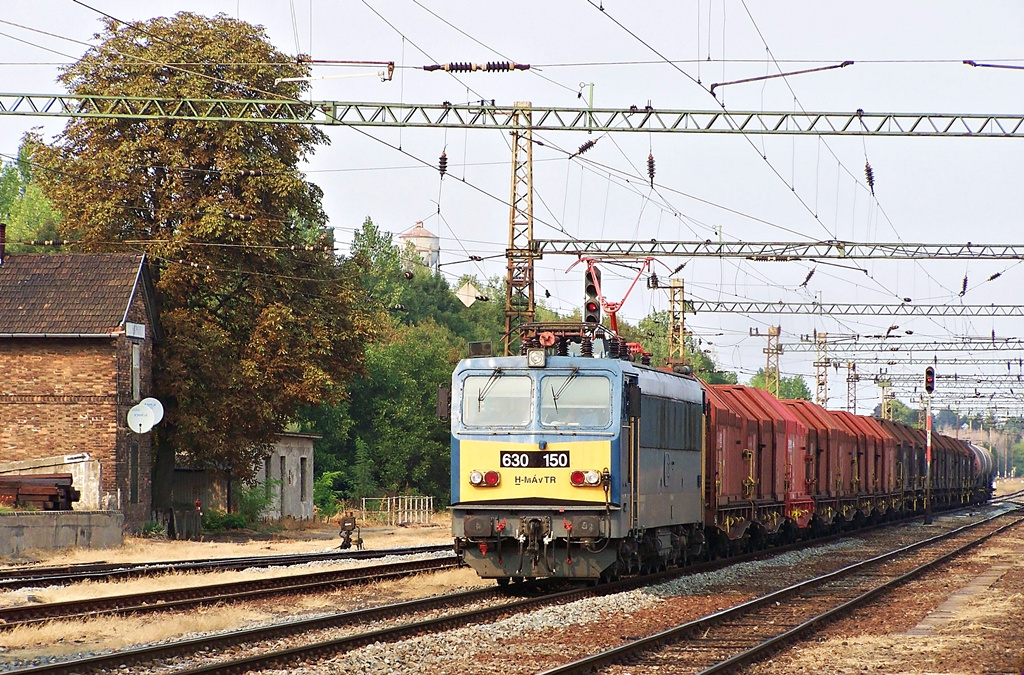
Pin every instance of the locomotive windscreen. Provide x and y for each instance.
(497, 400)
(574, 401)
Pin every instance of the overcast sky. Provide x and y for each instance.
(907, 58)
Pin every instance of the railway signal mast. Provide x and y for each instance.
(929, 387)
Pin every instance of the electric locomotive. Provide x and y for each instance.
(555, 471)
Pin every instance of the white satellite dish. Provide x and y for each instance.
(156, 406)
(140, 419)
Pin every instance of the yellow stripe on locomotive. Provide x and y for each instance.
(562, 471)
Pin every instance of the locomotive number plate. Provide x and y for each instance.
(534, 459)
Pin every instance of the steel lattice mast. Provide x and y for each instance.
(519, 294)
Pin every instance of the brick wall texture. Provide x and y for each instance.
(63, 396)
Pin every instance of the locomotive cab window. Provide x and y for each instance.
(575, 401)
(497, 400)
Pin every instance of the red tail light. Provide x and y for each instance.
(577, 477)
(492, 478)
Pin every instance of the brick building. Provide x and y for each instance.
(76, 345)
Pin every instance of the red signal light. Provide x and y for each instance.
(577, 477)
(492, 478)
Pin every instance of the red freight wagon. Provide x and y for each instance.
(851, 480)
(727, 436)
(799, 507)
(905, 478)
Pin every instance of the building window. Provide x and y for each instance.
(133, 470)
(136, 371)
(302, 479)
(284, 480)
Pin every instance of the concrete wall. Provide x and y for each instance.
(55, 530)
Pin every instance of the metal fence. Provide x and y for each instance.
(403, 510)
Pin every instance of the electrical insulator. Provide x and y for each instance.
(869, 174)
(650, 168)
(586, 146)
(490, 66)
(249, 173)
(239, 216)
(407, 274)
(442, 164)
(963, 290)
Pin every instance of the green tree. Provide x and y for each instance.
(391, 440)
(260, 317)
(793, 387)
(23, 206)
(901, 412)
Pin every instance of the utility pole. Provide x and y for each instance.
(852, 378)
(519, 297)
(772, 352)
(771, 370)
(887, 396)
(821, 370)
(676, 327)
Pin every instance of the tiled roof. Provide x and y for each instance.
(66, 294)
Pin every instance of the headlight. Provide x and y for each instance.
(475, 478)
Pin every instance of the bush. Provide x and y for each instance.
(216, 521)
(153, 530)
(253, 500)
(325, 497)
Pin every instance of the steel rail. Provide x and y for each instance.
(862, 599)
(233, 638)
(488, 115)
(28, 576)
(182, 598)
(105, 662)
(659, 640)
(778, 251)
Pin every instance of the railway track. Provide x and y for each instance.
(236, 638)
(722, 641)
(59, 575)
(186, 598)
(245, 645)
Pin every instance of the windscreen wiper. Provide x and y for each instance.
(487, 387)
(556, 394)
